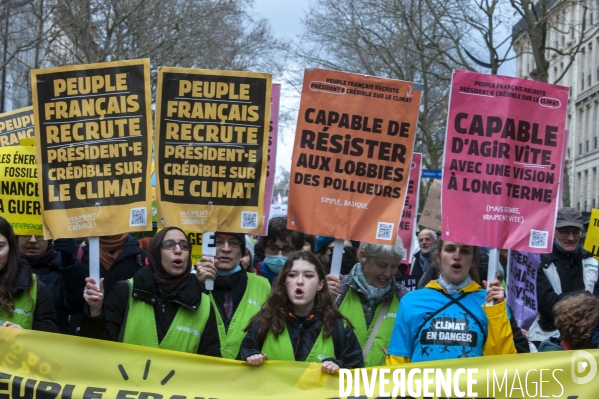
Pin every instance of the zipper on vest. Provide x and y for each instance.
(298, 340)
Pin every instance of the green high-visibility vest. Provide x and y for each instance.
(351, 307)
(183, 335)
(255, 295)
(280, 348)
(24, 303)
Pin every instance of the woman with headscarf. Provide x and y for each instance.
(24, 301)
(162, 306)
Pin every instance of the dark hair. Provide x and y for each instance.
(575, 317)
(473, 272)
(11, 269)
(277, 228)
(310, 239)
(274, 312)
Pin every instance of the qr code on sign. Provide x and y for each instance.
(249, 220)
(384, 231)
(137, 217)
(538, 239)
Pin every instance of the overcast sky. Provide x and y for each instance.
(285, 20)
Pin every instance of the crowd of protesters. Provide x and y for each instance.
(275, 298)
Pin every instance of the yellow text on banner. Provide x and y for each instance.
(93, 133)
(211, 141)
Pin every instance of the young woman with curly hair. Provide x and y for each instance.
(575, 316)
(299, 321)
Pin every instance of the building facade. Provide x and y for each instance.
(568, 23)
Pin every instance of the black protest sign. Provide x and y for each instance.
(211, 148)
(93, 132)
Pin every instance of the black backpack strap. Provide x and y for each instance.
(465, 309)
(442, 308)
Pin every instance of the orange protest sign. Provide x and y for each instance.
(351, 159)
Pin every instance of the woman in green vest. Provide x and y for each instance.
(162, 306)
(237, 295)
(299, 321)
(369, 297)
(24, 301)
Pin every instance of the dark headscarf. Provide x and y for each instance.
(169, 284)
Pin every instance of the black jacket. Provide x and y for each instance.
(44, 317)
(520, 340)
(66, 281)
(130, 260)
(303, 333)
(108, 324)
(570, 271)
(416, 270)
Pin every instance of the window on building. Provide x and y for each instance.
(591, 18)
(589, 81)
(585, 206)
(597, 74)
(578, 205)
(580, 149)
(568, 152)
(563, 40)
(593, 202)
(570, 92)
(587, 146)
(595, 144)
(582, 82)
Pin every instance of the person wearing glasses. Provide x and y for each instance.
(278, 245)
(162, 306)
(55, 264)
(566, 270)
(25, 302)
(237, 295)
(369, 297)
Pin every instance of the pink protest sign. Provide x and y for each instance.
(410, 208)
(503, 161)
(272, 153)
